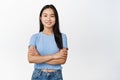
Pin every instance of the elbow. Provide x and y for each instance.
(63, 62)
(30, 60)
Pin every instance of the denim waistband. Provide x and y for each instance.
(43, 70)
(39, 74)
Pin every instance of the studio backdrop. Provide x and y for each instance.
(93, 33)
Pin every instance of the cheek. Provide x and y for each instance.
(54, 20)
(43, 20)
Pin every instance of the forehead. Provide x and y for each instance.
(48, 11)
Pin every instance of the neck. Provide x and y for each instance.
(48, 31)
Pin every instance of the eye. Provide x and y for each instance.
(52, 16)
(44, 15)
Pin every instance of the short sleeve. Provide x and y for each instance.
(32, 41)
(64, 40)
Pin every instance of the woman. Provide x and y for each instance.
(48, 48)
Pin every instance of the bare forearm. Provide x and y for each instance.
(57, 61)
(61, 60)
(39, 59)
(35, 57)
(57, 58)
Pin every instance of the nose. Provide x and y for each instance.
(48, 18)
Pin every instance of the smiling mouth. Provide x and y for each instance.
(48, 23)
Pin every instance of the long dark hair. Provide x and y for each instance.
(56, 30)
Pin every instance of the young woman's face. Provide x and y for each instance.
(48, 18)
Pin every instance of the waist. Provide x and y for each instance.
(48, 70)
(47, 66)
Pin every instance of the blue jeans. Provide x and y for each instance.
(40, 75)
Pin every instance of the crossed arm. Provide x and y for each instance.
(57, 58)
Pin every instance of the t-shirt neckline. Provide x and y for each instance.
(46, 34)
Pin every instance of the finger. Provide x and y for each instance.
(64, 55)
(64, 50)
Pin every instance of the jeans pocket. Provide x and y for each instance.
(36, 74)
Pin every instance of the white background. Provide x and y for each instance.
(92, 28)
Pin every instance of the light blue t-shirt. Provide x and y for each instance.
(46, 45)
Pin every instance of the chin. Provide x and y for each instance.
(49, 26)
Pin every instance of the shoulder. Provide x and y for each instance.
(35, 35)
(64, 40)
(63, 35)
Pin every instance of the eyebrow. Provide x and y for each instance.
(50, 14)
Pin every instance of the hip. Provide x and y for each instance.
(41, 74)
